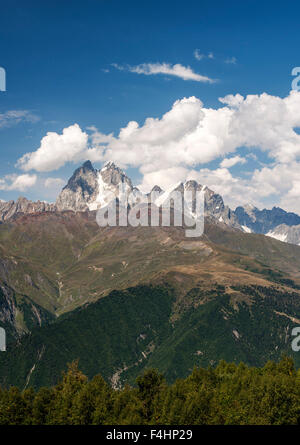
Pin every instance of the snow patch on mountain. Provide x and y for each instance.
(279, 236)
(89, 189)
(165, 196)
(246, 229)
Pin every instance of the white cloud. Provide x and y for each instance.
(168, 148)
(231, 60)
(54, 183)
(177, 70)
(291, 201)
(165, 178)
(186, 135)
(281, 180)
(55, 150)
(267, 122)
(191, 134)
(230, 162)
(275, 185)
(51, 187)
(234, 190)
(13, 117)
(18, 183)
(99, 138)
(199, 56)
(232, 100)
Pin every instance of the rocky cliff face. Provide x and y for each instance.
(18, 313)
(214, 206)
(263, 221)
(285, 233)
(10, 208)
(82, 189)
(89, 189)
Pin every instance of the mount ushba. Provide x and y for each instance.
(89, 189)
(120, 299)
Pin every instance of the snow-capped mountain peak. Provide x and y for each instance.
(91, 189)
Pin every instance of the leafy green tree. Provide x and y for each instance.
(12, 408)
(42, 405)
(73, 381)
(228, 394)
(150, 385)
(93, 403)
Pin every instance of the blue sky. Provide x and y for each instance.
(88, 63)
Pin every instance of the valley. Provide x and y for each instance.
(121, 299)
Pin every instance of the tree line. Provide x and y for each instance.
(227, 394)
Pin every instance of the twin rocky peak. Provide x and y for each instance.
(89, 189)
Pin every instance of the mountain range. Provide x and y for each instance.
(89, 189)
(121, 299)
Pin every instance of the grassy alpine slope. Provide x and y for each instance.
(122, 299)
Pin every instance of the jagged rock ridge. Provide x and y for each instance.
(89, 189)
(10, 208)
(276, 223)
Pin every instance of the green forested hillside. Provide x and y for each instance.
(226, 395)
(128, 331)
(19, 314)
(121, 299)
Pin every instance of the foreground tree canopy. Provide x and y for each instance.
(227, 394)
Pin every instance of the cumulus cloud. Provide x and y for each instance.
(56, 183)
(165, 178)
(190, 134)
(230, 162)
(51, 187)
(55, 150)
(177, 70)
(235, 190)
(169, 148)
(232, 100)
(278, 185)
(13, 117)
(186, 135)
(18, 182)
(267, 122)
(281, 180)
